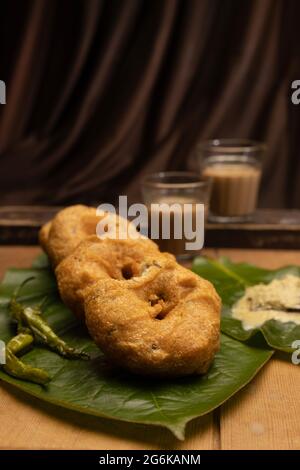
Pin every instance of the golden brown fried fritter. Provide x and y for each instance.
(95, 259)
(44, 236)
(146, 313)
(73, 225)
(166, 323)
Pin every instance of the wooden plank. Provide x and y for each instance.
(262, 238)
(21, 224)
(266, 414)
(17, 257)
(268, 228)
(32, 424)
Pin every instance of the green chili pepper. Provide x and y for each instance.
(16, 309)
(30, 320)
(13, 366)
(31, 326)
(20, 342)
(43, 333)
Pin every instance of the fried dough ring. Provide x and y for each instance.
(146, 312)
(163, 325)
(72, 225)
(95, 259)
(44, 236)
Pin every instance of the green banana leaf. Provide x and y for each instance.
(94, 387)
(230, 280)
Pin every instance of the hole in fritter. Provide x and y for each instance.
(155, 299)
(159, 301)
(161, 315)
(127, 271)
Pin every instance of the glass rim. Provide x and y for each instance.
(155, 180)
(232, 145)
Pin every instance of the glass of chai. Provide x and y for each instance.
(234, 166)
(177, 204)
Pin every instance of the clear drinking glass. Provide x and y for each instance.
(185, 189)
(235, 168)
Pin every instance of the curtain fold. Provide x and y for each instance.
(101, 92)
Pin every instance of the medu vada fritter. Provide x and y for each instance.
(44, 236)
(95, 259)
(146, 313)
(165, 325)
(72, 225)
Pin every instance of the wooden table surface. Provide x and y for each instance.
(264, 415)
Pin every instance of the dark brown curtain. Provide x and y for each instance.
(100, 92)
